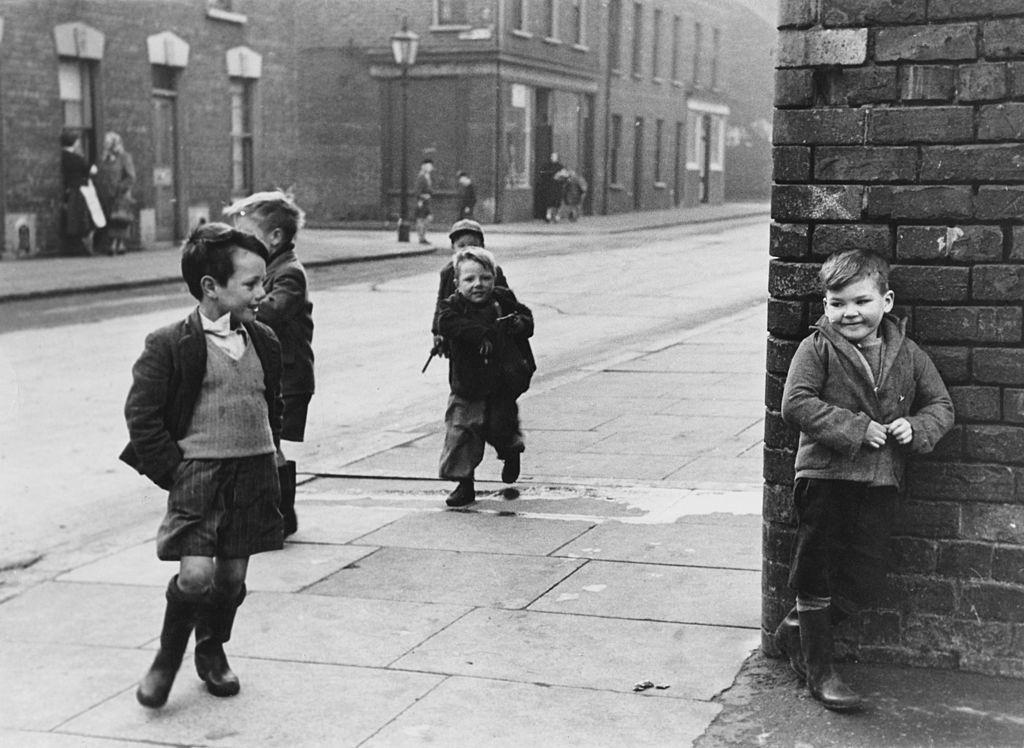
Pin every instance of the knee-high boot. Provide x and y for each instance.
(787, 640)
(286, 477)
(213, 630)
(822, 679)
(179, 618)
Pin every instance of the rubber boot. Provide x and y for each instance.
(286, 476)
(787, 640)
(213, 630)
(179, 618)
(823, 681)
(464, 493)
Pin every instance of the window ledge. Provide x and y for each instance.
(218, 14)
(552, 40)
(657, 80)
(617, 187)
(660, 186)
(581, 47)
(522, 34)
(636, 76)
(677, 84)
(450, 27)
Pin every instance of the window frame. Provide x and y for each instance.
(551, 21)
(614, 149)
(83, 74)
(656, 45)
(636, 62)
(698, 41)
(242, 94)
(579, 24)
(439, 23)
(615, 35)
(520, 26)
(659, 129)
(677, 27)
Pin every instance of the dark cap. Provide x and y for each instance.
(466, 226)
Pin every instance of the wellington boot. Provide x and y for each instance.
(213, 630)
(823, 681)
(286, 476)
(787, 640)
(463, 494)
(179, 618)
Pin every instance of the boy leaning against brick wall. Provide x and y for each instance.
(863, 396)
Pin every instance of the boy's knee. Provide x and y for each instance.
(194, 581)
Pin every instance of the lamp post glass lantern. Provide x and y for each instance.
(404, 44)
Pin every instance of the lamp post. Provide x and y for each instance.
(403, 46)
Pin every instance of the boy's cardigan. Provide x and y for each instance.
(287, 310)
(466, 326)
(166, 382)
(831, 397)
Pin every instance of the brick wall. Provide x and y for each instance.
(898, 126)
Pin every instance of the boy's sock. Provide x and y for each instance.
(464, 493)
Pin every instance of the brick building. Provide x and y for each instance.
(656, 103)
(205, 98)
(898, 127)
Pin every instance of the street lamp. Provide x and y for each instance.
(403, 45)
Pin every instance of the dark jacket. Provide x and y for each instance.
(75, 174)
(166, 382)
(831, 397)
(447, 286)
(287, 310)
(466, 195)
(466, 326)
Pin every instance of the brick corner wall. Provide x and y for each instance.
(899, 126)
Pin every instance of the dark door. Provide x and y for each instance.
(543, 142)
(165, 148)
(587, 156)
(638, 162)
(677, 175)
(705, 161)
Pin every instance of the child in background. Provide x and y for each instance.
(466, 196)
(863, 396)
(275, 219)
(485, 327)
(204, 416)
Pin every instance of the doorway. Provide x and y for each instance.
(165, 167)
(543, 144)
(705, 157)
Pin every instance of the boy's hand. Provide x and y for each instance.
(876, 435)
(901, 430)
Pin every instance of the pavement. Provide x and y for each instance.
(609, 612)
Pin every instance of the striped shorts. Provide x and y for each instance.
(226, 508)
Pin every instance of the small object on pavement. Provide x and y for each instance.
(643, 685)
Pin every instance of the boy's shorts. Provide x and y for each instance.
(842, 540)
(225, 508)
(469, 424)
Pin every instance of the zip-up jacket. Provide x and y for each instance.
(831, 395)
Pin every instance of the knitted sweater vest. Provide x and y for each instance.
(231, 418)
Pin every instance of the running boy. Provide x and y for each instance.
(275, 219)
(204, 416)
(863, 396)
(490, 363)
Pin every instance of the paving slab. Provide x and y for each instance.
(281, 704)
(682, 594)
(48, 684)
(298, 565)
(732, 542)
(698, 359)
(472, 531)
(748, 410)
(587, 652)
(25, 739)
(452, 577)
(743, 468)
(568, 466)
(103, 615)
(496, 713)
(334, 630)
(323, 521)
(651, 384)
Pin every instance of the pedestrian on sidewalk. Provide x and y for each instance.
(574, 187)
(275, 219)
(489, 367)
(465, 193)
(114, 184)
(464, 233)
(863, 396)
(76, 222)
(424, 192)
(550, 188)
(204, 417)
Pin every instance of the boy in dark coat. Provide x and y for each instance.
(466, 195)
(487, 331)
(204, 418)
(275, 219)
(863, 396)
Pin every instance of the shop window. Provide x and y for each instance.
(616, 147)
(450, 13)
(241, 136)
(519, 136)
